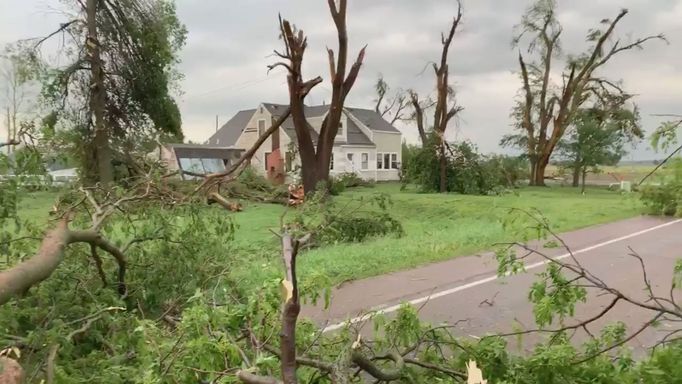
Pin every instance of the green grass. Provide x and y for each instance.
(437, 227)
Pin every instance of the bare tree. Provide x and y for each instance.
(315, 158)
(541, 105)
(445, 104)
(15, 81)
(390, 107)
(418, 114)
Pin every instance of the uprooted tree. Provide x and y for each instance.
(545, 111)
(121, 56)
(445, 105)
(315, 157)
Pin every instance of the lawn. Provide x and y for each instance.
(437, 227)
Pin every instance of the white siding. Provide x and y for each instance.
(343, 165)
(386, 142)
(250, 135)
(390, 143)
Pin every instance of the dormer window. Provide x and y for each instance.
(340, 131)
(261, 127)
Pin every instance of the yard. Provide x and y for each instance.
(436, 226)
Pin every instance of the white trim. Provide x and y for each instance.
(435, 295)
(265, 127)
(265, 160)
(363, 128)
(390, 161)
(388, 132)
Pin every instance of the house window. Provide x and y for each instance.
(387, 160)
(261, 127)
(340, 131)
(200, 166)
(265, 160)
(289, 161)
(365, 160)
(213, 165)
(331, 162)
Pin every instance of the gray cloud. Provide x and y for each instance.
(230, 44)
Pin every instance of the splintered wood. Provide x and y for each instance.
(296, 194)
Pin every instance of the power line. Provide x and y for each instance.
(237, 86)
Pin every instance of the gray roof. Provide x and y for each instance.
(355, 136)
(372, 120)
(228, 134)
(198, 151)
(275, 109)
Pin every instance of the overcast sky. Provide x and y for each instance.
(230, 42)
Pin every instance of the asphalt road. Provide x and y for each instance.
(466, 291)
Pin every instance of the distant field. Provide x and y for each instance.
(437, 227)
(610, 174)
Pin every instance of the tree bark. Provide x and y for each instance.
(20, 278)
(576, 174)
(533, 169)
(292, 308)
(582, 190)
(443, 164)
(540, 168)
(105, 174)
(316, 157)
(9, 133)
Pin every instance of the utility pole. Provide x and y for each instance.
(216, 123)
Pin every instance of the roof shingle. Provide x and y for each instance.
(228, 134)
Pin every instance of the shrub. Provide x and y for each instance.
(662, 199)
(345, 180)
(468, 171)
(351, 221)
(356, 229)
(666, 197)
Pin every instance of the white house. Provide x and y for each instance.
(366, 144)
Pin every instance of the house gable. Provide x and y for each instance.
(229, 133)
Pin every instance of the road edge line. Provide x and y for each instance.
(459, 288)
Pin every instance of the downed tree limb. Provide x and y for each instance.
(11, 142)
(238, 166)
(215, 197)
(94, 238)
(18, 279)
(10, 371)
(89, 321)
(21, 277)
(250, 378)
(373, 370)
